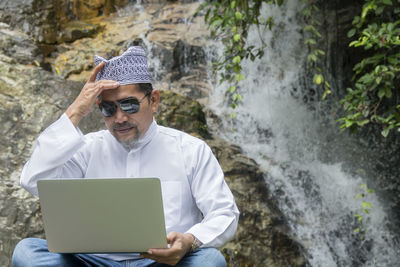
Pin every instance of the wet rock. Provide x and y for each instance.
(19, 46)
(37, 18)
(75, 30)
(84, 9)
(45, 20)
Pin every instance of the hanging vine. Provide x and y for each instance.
(313, 39)
(230, 21)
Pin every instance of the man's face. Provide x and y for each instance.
(128, 128)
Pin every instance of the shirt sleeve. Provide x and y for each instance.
(54, 155)
(214, 199)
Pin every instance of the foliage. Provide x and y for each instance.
(231, 21)
(312, 40)
(376, 79)
(366, 207)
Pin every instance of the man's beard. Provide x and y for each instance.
(128, 143)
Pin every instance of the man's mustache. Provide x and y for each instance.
(125, 125)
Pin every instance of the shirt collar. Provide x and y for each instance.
(146, 138)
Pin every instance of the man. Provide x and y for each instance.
(200, 211)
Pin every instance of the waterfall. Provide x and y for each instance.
(312, 169)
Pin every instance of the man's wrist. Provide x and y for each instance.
(196, 244)
(74, 116)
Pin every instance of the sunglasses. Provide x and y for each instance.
(129, 105)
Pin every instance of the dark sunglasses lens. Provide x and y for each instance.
(129, 105)
(108, 108)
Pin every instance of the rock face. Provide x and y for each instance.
(32, 98)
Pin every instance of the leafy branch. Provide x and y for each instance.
(230, 21)
(366, 207)
(376, 77)
(313, 38)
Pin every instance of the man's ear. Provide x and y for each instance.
(97, 101)
(154, 100)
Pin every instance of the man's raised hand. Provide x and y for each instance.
(87, 97)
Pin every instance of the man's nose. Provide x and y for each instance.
(120, 116)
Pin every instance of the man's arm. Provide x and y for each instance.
(214, 199)
(55, 151)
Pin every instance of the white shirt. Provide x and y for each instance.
(196, 198)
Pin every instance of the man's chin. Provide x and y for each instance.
(127, 142)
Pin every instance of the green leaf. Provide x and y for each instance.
(357, 230)
(354, 43)
(387, 2)
(310, 41)
(234, 29)
(385, 132)
(238, 15)
(326, 93)
(233, 4)
(388, 93)
(216, 23)
(318, 79)
(348, 123)
(351, 33)
(312, 57)
(236, 60)
(356, 20)
(236, 37)
(368, 204)
(381, 93)
(363, 122)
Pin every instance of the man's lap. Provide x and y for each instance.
(34, 252)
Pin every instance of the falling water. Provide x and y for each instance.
(312, 170)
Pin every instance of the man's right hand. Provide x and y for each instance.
(84, 102)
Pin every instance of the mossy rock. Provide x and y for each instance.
(183, 113)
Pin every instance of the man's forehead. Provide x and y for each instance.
(121, 92)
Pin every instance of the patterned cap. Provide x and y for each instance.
(128, 68)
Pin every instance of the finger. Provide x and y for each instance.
(105, 85)
(95, 71)
(171, 237)
(161, 252)
(107, 82)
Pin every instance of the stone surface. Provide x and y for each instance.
(75, 30)
(19, 46)
(44, 20)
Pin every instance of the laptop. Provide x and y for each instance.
(117, 215)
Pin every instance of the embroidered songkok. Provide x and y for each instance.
(128, 68)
